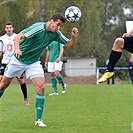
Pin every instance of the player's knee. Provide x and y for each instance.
(0, 78)
(57, 73)
(52, 74)
(40, 89)
(4, 85)
(21, 81)
(119, 42)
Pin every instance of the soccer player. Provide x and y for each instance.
(124, 42)
(29, 44)
(54, 61)
(130, 67)
(6, 51)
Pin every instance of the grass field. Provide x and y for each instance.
(82, 109)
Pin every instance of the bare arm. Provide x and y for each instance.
(1, 49)
(1, 54)
(17, 44)
(60, 55)
(71, 43)
(46, 59)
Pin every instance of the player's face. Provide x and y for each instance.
(56, 25)
(9, 30)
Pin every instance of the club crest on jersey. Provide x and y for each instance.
(9, 47)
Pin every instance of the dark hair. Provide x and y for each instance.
(55, 17)
(8, 23)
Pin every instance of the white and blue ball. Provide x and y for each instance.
(72, 14)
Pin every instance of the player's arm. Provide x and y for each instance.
(128, 34)
(1, 49)
(60, 54)
(71, 43)
(1, 53)
(46, 59)
(17, 44)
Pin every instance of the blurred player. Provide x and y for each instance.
(124, 42)
(54, 61)
(130, 67)
(29, 44)
(6, 51)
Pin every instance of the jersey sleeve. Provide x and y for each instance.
(61, 38)
(33, 30)
(47, 48)
(61, 45)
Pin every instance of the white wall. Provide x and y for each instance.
(80, 67)
(129, 26)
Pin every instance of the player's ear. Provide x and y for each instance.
(5, 28)
(51, 20)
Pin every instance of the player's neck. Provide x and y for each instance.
(48, 26)
(9, 34)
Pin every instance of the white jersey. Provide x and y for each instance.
(7, 47)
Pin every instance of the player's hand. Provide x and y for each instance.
(18, 53)
(130, 67)
(126, 34)
(46, 64)
(74, 32)
(58, 60)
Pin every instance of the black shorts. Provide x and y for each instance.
(2, 69)
(128, 43)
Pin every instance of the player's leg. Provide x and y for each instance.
(58, 67)
(40, 99)
(61, 80)
(3, 66)
(36, 74)
(5, 82)
(131, 77)
(13, 69)
(119, 45)
(54, 84)
(51, 69)
(23, 89)
(9, 73)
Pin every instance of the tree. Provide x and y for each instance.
(101, 22)
(113, 18)
(42, 9)
(21, 13)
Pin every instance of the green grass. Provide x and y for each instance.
(83, 109)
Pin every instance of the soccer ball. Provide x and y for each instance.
(72, 14)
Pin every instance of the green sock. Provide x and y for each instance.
(61, 79)
(1, 92)
(54, 84)
(40, 100)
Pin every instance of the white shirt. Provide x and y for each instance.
(7, 47)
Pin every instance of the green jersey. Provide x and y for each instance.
(54, 49)
(36, 39)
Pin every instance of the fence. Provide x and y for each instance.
(104, 68)
(97, 70)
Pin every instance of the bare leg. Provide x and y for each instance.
(5, 82)
(118, 45)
